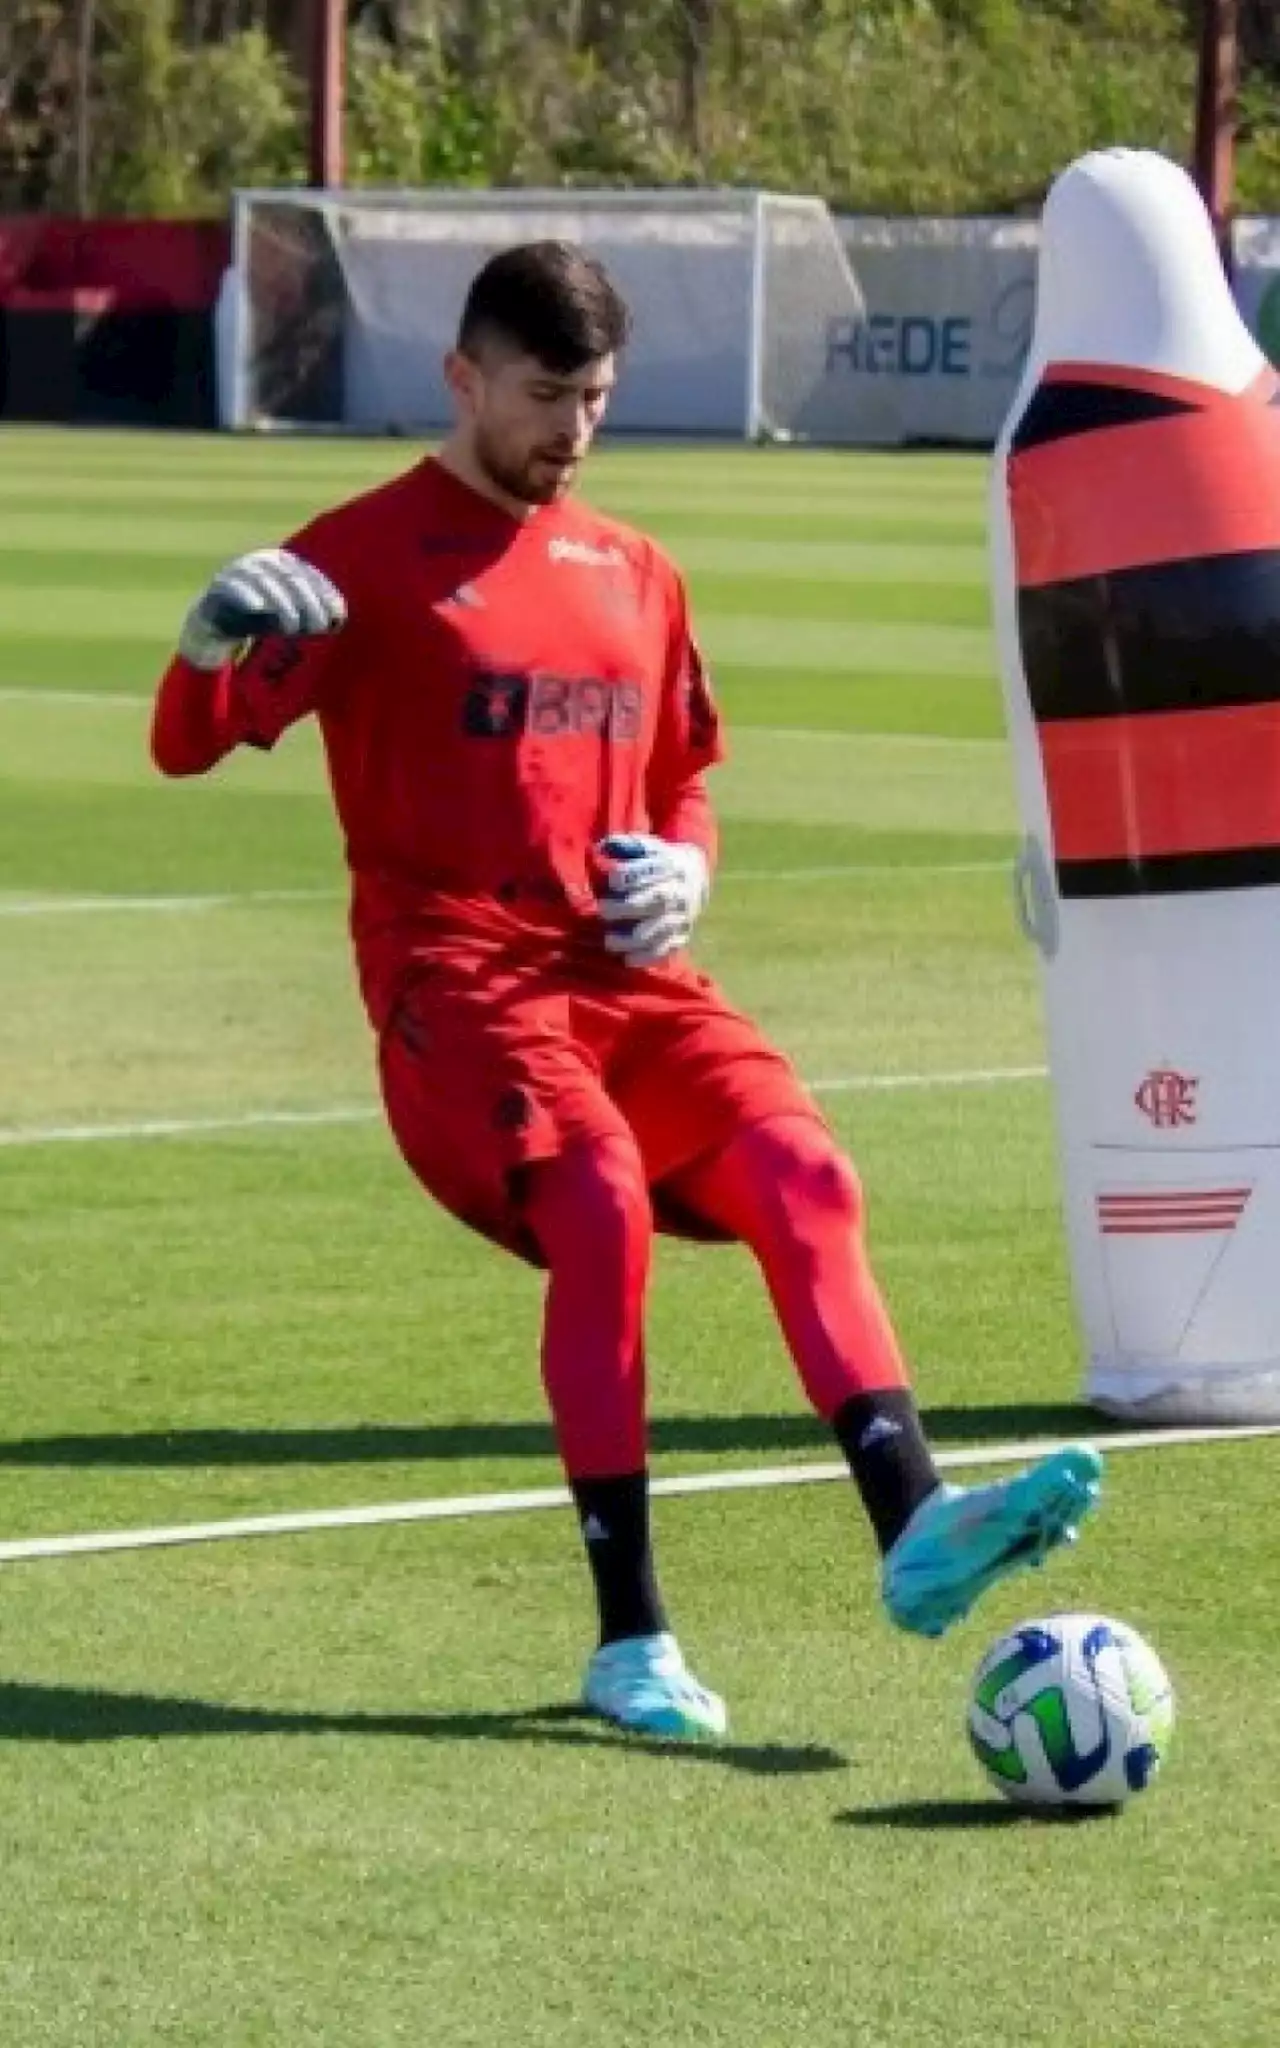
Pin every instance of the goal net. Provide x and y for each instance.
(742, 304)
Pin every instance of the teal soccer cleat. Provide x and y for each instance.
(961, 1540)
(644, 1685)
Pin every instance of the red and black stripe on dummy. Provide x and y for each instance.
(1146, 530)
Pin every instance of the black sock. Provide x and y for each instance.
(881, 1435)
(614, 1516)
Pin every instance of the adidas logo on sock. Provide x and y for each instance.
(878, 1432)
(594, 1531)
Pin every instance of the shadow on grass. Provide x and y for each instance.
(74, 1714)
(455, 1442)
(939, 1814)
(927, 1814)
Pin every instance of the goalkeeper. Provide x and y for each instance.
(517, 725)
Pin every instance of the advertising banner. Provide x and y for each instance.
(938, 353)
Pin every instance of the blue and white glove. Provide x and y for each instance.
(257, 595)
(657, 890)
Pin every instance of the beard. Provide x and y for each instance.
(534, 478)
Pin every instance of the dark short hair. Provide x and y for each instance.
(546, 299)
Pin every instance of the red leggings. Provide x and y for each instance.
(781, 1187)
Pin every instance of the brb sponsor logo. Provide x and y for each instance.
(500, 704)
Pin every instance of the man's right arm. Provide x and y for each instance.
(252, 658)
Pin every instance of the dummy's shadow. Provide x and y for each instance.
(455, 1442)
(79, 1714)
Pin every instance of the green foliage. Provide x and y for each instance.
(901, 105)
(920, 116)
(412, 118)
(242, 125)
(177, 129)
(1258, 169)
(171, 127)
(37, 115)
(139, 109)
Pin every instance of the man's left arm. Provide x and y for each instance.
(661, 879)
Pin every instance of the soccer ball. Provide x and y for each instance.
(1071, 1710)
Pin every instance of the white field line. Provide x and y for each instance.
(228, 899)
(849, 737)
(458, 1507)
(17, 1135)
(840, 870)
(23, 693)
(233, 899)
(964, 1077)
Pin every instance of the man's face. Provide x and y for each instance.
(529, 427)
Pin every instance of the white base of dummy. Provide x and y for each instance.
(1135, 1394)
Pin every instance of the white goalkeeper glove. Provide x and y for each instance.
(657, 890)
(268, 592)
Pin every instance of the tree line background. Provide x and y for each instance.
(952, 106)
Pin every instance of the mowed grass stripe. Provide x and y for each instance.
(140, 836)
(105, 741)
(85, 452)
(60, 547)
(215, 834)
(878, 523)
(279, 513)
(889, 783)
(953, 710)
(880, 704)
(873, 562)
(818, 597)
(825, 647)
(186, 483)
(73, 666)
(600, 480)
(92, 612)
(65, 672)
(865, 608)
(95, 613)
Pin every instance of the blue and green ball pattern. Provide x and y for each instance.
(1071, 1710)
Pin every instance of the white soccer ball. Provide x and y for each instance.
(1070, 1710)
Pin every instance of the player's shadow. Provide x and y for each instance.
(371, 1443)
(80, 1714)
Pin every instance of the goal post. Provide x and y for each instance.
(345, 304)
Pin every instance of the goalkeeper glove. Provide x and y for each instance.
(656, 891)
(269, 592)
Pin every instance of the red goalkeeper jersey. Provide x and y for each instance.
(504, 694)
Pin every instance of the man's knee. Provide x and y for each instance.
(591, 1203)
(802, 1178)
(614, 1191)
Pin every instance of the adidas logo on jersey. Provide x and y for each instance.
(562, 550)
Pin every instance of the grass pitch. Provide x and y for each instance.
(328, 1789)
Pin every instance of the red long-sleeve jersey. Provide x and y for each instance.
(504, 694)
